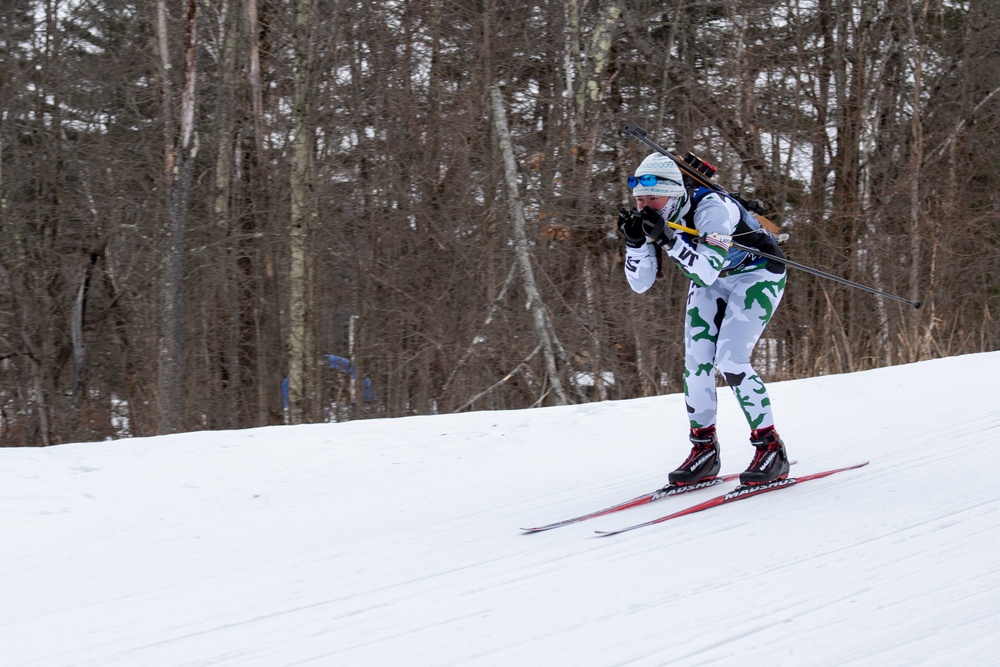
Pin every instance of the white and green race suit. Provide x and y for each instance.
(732, 296)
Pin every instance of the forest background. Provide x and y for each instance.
(232, 213)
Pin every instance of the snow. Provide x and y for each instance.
(397, 542)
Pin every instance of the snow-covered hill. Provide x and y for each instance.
(396, 542)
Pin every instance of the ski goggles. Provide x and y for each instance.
(649, 180)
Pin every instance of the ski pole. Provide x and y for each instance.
(828, 276)
(634, 130)
(803, 267)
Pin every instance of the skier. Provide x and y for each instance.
(732, 296)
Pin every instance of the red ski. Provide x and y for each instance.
(666, 491)
(739, 493)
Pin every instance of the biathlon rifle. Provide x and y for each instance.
(699, 171)
(704, 178)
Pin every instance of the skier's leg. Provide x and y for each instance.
(706, 308)
(754, 297)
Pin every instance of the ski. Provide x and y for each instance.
(664, 492)
(668, 490)
(739, 493)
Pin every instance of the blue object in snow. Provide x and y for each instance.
(341, 364)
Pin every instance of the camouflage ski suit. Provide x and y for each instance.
(732, 296)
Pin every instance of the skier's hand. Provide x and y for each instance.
(654, 226)
(630, 225)
(752, 205)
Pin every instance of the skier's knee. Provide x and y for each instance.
(734, 373)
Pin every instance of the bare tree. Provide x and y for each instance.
(536, 306)
(302, 387)
(358, 227)
(180, 150)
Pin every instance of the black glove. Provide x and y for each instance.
(655, 227)
(752, 205)
(630, 225)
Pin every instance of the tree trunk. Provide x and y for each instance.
(179, 165)
(302, 392)
(535, 304)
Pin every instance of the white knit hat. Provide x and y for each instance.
(670, 184)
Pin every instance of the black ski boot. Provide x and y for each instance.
(770, 462)
(703, 461)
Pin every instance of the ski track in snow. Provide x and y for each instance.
(396, 541)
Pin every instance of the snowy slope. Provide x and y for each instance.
(396, 542)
